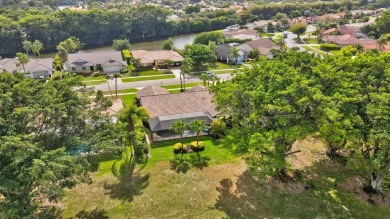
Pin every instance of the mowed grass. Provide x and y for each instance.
(143, 72)
(128, 99)
(88, 83)
(91, 78)
(130, 90)
(221, 65)
(147, 78)
(174, 86)
(310, 40)
(217, 184)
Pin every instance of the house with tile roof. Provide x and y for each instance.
(156, 58)
(165, 108)
(35, 68)
(243, 34)
(347, 40)
(263, 45)
(106, 62)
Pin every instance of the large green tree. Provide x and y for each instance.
(121, 44)
(383, 22)
(200, 54)
(40, 124)
(298, 29)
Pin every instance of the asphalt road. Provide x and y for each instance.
(141, 84)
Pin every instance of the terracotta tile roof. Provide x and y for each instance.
(328, 31)
(151, 90)
(148, 57)
(341, 39)
(179, 103)
(386, 48)
(240, 32)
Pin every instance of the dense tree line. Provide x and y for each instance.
(344, 100)
(97, 26)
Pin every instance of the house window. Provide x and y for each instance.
(84, 68)
(73, 69)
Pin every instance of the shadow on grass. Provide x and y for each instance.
(131, 181)
(324, 190)
(182, 162)
(94, 214)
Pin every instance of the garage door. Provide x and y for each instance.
(112, 68)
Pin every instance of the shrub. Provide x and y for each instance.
(168, 72)
(218, 128)
(126, 55)
(329, 46)
(199, 147)
(95, 74)
(178, 148)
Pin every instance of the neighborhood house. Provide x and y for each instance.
(165, 108)
(156, 58)
(107, 62)
(35, 68)
(263, 45)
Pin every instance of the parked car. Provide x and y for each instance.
(284, 35)
(209, 73)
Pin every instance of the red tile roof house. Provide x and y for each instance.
(347, 40)
(156, 58)
(243, 34)
(165, 108)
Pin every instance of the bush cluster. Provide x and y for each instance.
(197, 147)
(178, 148)
(329, 46)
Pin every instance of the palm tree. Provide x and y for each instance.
(186, 68)
(37, 47)
(169, 63)
(136, 62)
(116, 76)
(62, 53)
(234, 53)
(109, 77)
(22, 58)
(131, 116)
(381, 42)
(179, 127)
(197, 126)
(27, 45)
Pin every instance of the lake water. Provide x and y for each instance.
(179, 42)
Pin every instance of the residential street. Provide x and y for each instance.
(141, 84)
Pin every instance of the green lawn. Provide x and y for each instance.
(147, 78)
(216, 184)
(221, 65)
(130, 90)
(311, 40)
(92, 78)
(334, 52)
(173, 86)
(128, 99)
(144, 72)
(88, 83)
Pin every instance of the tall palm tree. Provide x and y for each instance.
(169, 63)
(179, 127)
(197, 126)
(22, 58)
(186, 68)
(109, 77)
(381, 42)
(234, 53)
(37, 47)
(131, 116)
(116, 76)
(27, 45)
(62, 53)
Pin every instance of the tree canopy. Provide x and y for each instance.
(276, 102)
(41, 125)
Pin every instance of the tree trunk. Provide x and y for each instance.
(116, 89)
(376, 182)
(181, 83)
(331, 152)
(184, 81)
(109, 87)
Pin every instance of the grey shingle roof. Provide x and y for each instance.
(34, 65)
(151, 90)
(164, 122)
(93, 58)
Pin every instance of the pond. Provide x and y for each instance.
(179, 42)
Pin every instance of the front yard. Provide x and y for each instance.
(157, 77)
(217, 184)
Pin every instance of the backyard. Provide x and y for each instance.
(217, 184)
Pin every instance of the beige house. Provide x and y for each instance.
(107, 62)
(156, 58)
(263, 45)
(35, 68)
(165, 108)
